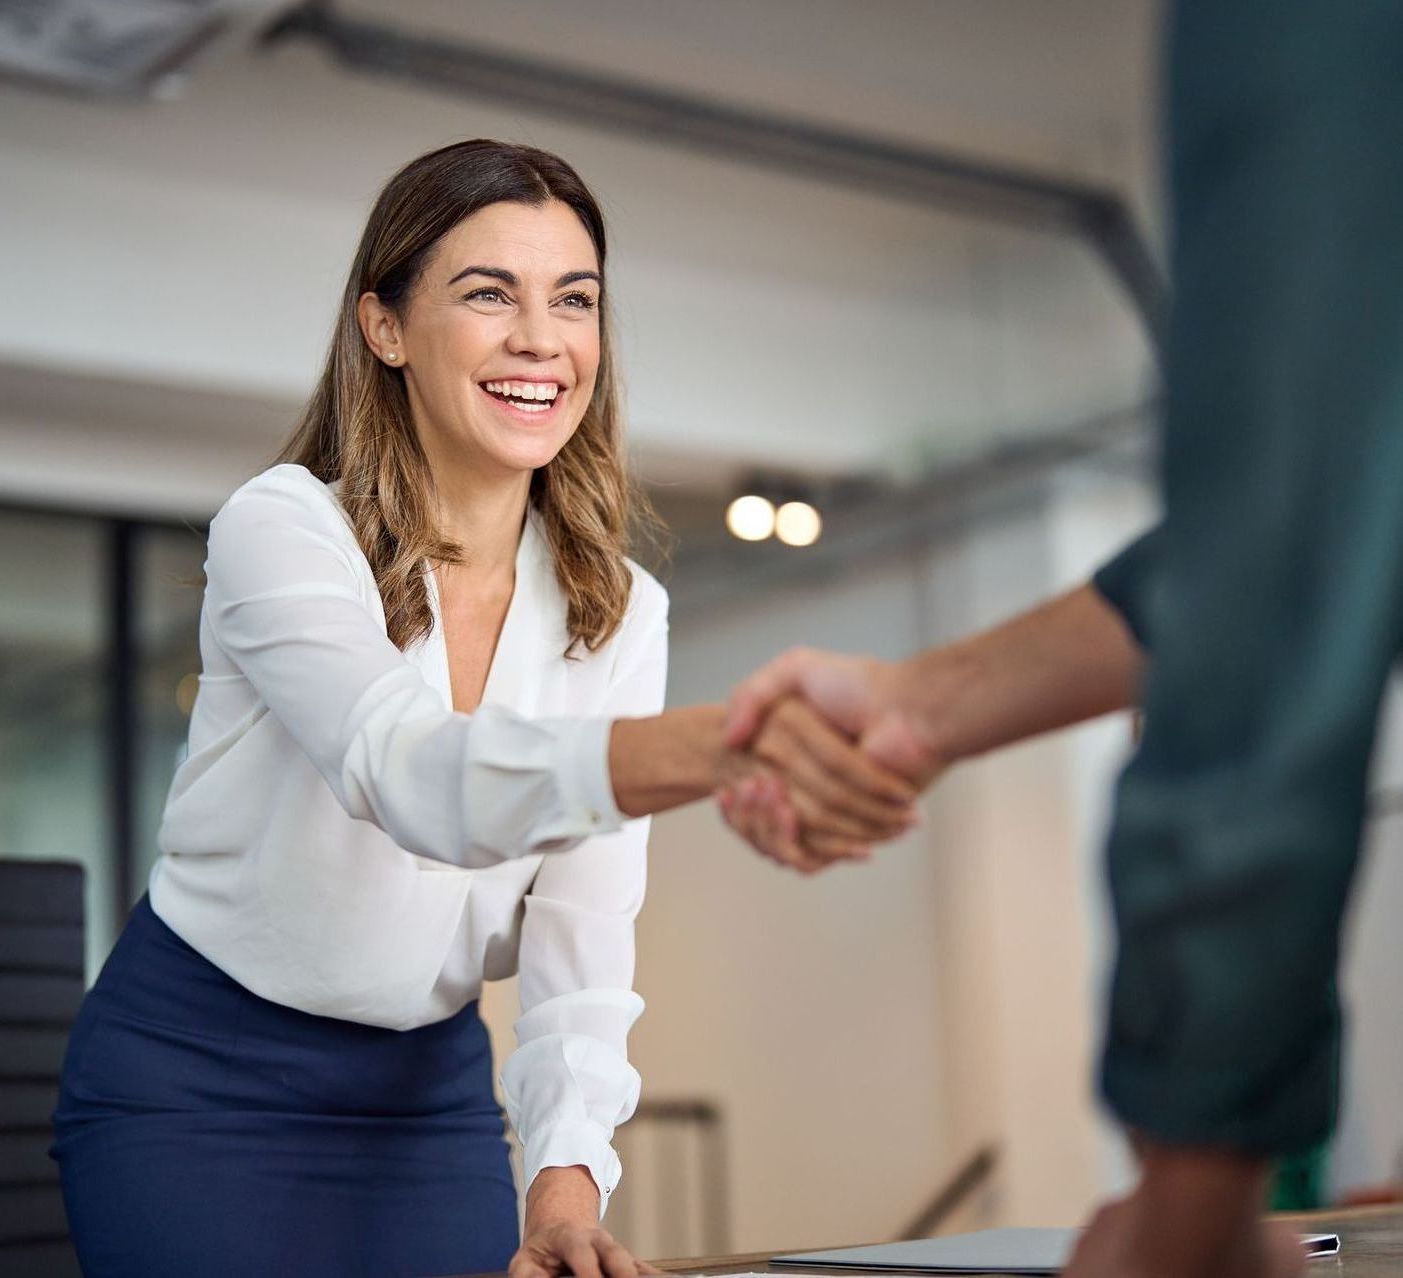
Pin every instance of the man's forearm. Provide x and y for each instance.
(1066, 661)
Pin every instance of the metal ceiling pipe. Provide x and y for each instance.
(875, 165)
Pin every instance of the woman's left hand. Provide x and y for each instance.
(571, 1247)
(563, 1234)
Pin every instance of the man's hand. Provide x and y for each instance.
(806, 796)
(1195, 1212)
(1118, 1245)
(1065, 661)
(871, 702)
(847, 723)
(563, 1234)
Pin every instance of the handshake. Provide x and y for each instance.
(818, 756)
(815, 759)
(825, 755)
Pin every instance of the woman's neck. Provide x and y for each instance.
(484, 516)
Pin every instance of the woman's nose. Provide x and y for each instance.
(534, 334)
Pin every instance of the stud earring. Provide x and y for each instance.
(392, 356)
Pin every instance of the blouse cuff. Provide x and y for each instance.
(586, 786)
(577, 1143)
(537, 785)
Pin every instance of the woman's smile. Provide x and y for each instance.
(533, 401)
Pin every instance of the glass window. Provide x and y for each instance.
(169, 587)
(53, 768)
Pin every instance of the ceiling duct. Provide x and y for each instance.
(1097, 215)
(132, 48)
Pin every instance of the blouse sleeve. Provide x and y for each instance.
(569, 1083)
(285, 604)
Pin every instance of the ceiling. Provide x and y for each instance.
(181, 257)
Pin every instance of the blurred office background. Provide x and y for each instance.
(905, 274)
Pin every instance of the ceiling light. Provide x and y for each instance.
(797, 523)
(751, 518)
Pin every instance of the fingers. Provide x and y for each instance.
(583, 1250)
(525, 1265)
(817, 818)
(871, 787)
(594, 1253)
(752, 699)
(762, 813)
(829, 848)
(578, 1252)
(835, 787)
(758, 809)
(617, 1260)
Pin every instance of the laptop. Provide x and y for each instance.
(996, 1251)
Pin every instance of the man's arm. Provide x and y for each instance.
(1063, 662)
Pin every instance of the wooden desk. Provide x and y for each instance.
(1371, 1246)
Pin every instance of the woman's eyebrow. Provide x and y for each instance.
(508, 278)
(574, 277)
(492, 272)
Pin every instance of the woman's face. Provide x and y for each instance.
(500, 342)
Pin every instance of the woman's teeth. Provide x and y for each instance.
(529, 397)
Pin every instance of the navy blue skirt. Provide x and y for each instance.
(202, 1130)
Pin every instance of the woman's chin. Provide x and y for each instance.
(491, 447)
(528, 458)
(521, 450)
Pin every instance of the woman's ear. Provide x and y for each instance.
(380, 327)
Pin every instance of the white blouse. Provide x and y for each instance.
(341, 841)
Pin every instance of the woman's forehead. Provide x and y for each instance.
(547, 239)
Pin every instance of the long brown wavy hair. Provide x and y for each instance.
(357, 428)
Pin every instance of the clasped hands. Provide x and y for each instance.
(825, 758)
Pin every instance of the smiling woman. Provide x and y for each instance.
(480, 360)
(431, 698)
(481, 262)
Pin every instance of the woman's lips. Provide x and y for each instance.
(536, 413)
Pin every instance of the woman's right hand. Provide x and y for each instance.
(804, 795)
(798, 789)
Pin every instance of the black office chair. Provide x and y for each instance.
(41, 985)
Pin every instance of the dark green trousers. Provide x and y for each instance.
(1271, 597)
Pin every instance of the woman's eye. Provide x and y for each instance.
(581, 301)
(484, 295)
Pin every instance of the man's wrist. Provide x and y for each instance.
(933, 687)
